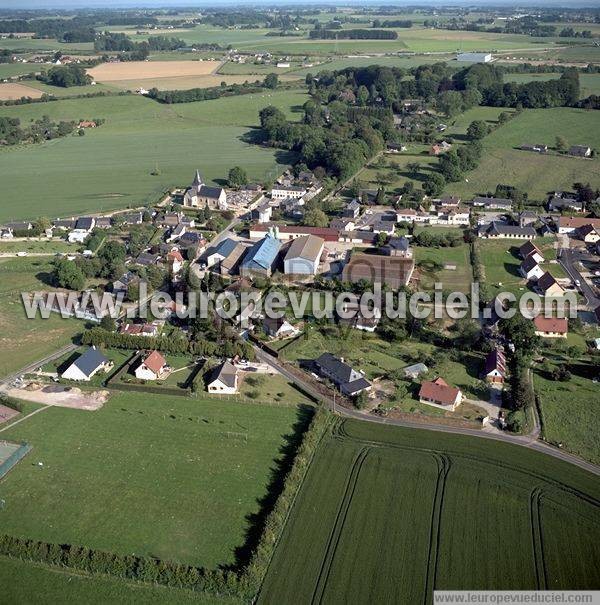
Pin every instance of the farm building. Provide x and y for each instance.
(569, 224)
(498, 230)
(495, 367)
(285, 233)
(440, 395)
(474, 57)
(261, 258)
(304, 255)
(393, 271)
(223, 379)
(87, 365)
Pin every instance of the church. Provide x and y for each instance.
(200, 195)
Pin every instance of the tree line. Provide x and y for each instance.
(352, 34)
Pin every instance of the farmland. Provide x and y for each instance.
(20, 340)
(12, 91)
(535, 173)
(147, 474)
(404, 496)
(111, 166)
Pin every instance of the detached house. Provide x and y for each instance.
(548, 286)
(530, 270)
(87, 365)
(83, 227)
(440, 395)
(551, 327)
(495, 367)
(530, 249)
(223, 380)
(580, 151)
(589, 234)
(278, 327)
(349, 381)
(152, 367)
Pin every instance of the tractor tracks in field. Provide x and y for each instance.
(537, 542)
(444, 463)
(338, 526)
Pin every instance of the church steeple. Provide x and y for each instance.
(197, 180)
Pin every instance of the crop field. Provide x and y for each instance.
(392, 501)
(111, 166)
(9, 70)
(10, 91)
(149, 70)
(21, 340)
(148, 474)
(534, 173)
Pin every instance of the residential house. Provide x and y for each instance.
(153, 366)
(493, 203)
(499, 230)
(216, 255)
(64, 224)
(83, 228)
(282, 192)
(495, 367)
(589, 234)
(342, 224)
(451, 201)
(344, 377)
(122, 284)
(440, 395)
(351, 209)
(392, 271)
(103, 222)
(548, 286)
(453, 216)
(304, 255)
(223, 379)
(6, 233)
(200, 195)
(530, 249)
(551, 327)
(175, 262)
(146, 329)
(560, 204)
(527, 218)
(278, 327)
(263, 212)
(398, 246)
(192, 240)
(535, 147)
(133, 218)
(286, 233)
(569, 224)
(439, 148)
(87, 365)
(147, 259)
(530, 270)
(580, 151)
(176, 232)
(261, 258)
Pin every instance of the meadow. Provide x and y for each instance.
(148, 474)
(534, 173)
(111, 166)
(392, 503)
(431, 266)
(21, 340)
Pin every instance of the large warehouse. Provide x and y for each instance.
(474, 57)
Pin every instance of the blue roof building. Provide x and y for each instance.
(261, 258)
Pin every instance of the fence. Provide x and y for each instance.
(19, 453)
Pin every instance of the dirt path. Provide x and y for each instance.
(24, 418)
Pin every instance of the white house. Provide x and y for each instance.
(223, 380)
(83, 227)
(530, 270)
(282, 192)
(152, 367)
(87, 365)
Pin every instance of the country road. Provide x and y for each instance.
(528, 441)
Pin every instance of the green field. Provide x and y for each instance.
(174, 478)
(431, 261)
(21, 340)
(51, 585)
(433, 511)
(534, 173)
(111, 166)
(590, 83)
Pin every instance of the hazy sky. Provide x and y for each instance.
(61, 4)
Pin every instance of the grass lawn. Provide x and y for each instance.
(400, 497)
(569, 410)
(110, 167)
(23, 340)
(26, 582)
(431, 262)
(38, 247)
(147, 474)
(534, 173)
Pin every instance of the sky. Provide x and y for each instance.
(62, 4)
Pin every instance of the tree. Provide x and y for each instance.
(434, 185)
(450, 102)
(271, 81)
(107, 323)
(315, 218)
(477, 130)
(68, 275)
(561, 144)
(156, 276)
(520, 331)
(413, 168)
(237, 177)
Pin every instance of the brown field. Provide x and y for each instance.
(10, 92)
(151, 70)
(185, 82)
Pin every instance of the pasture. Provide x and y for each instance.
(21, 340)
(175, 478)
(534, 173)
(111, 167)
(433, 511)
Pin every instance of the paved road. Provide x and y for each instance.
(529, 441)
(569, 259)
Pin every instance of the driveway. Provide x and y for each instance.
(569, 258)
